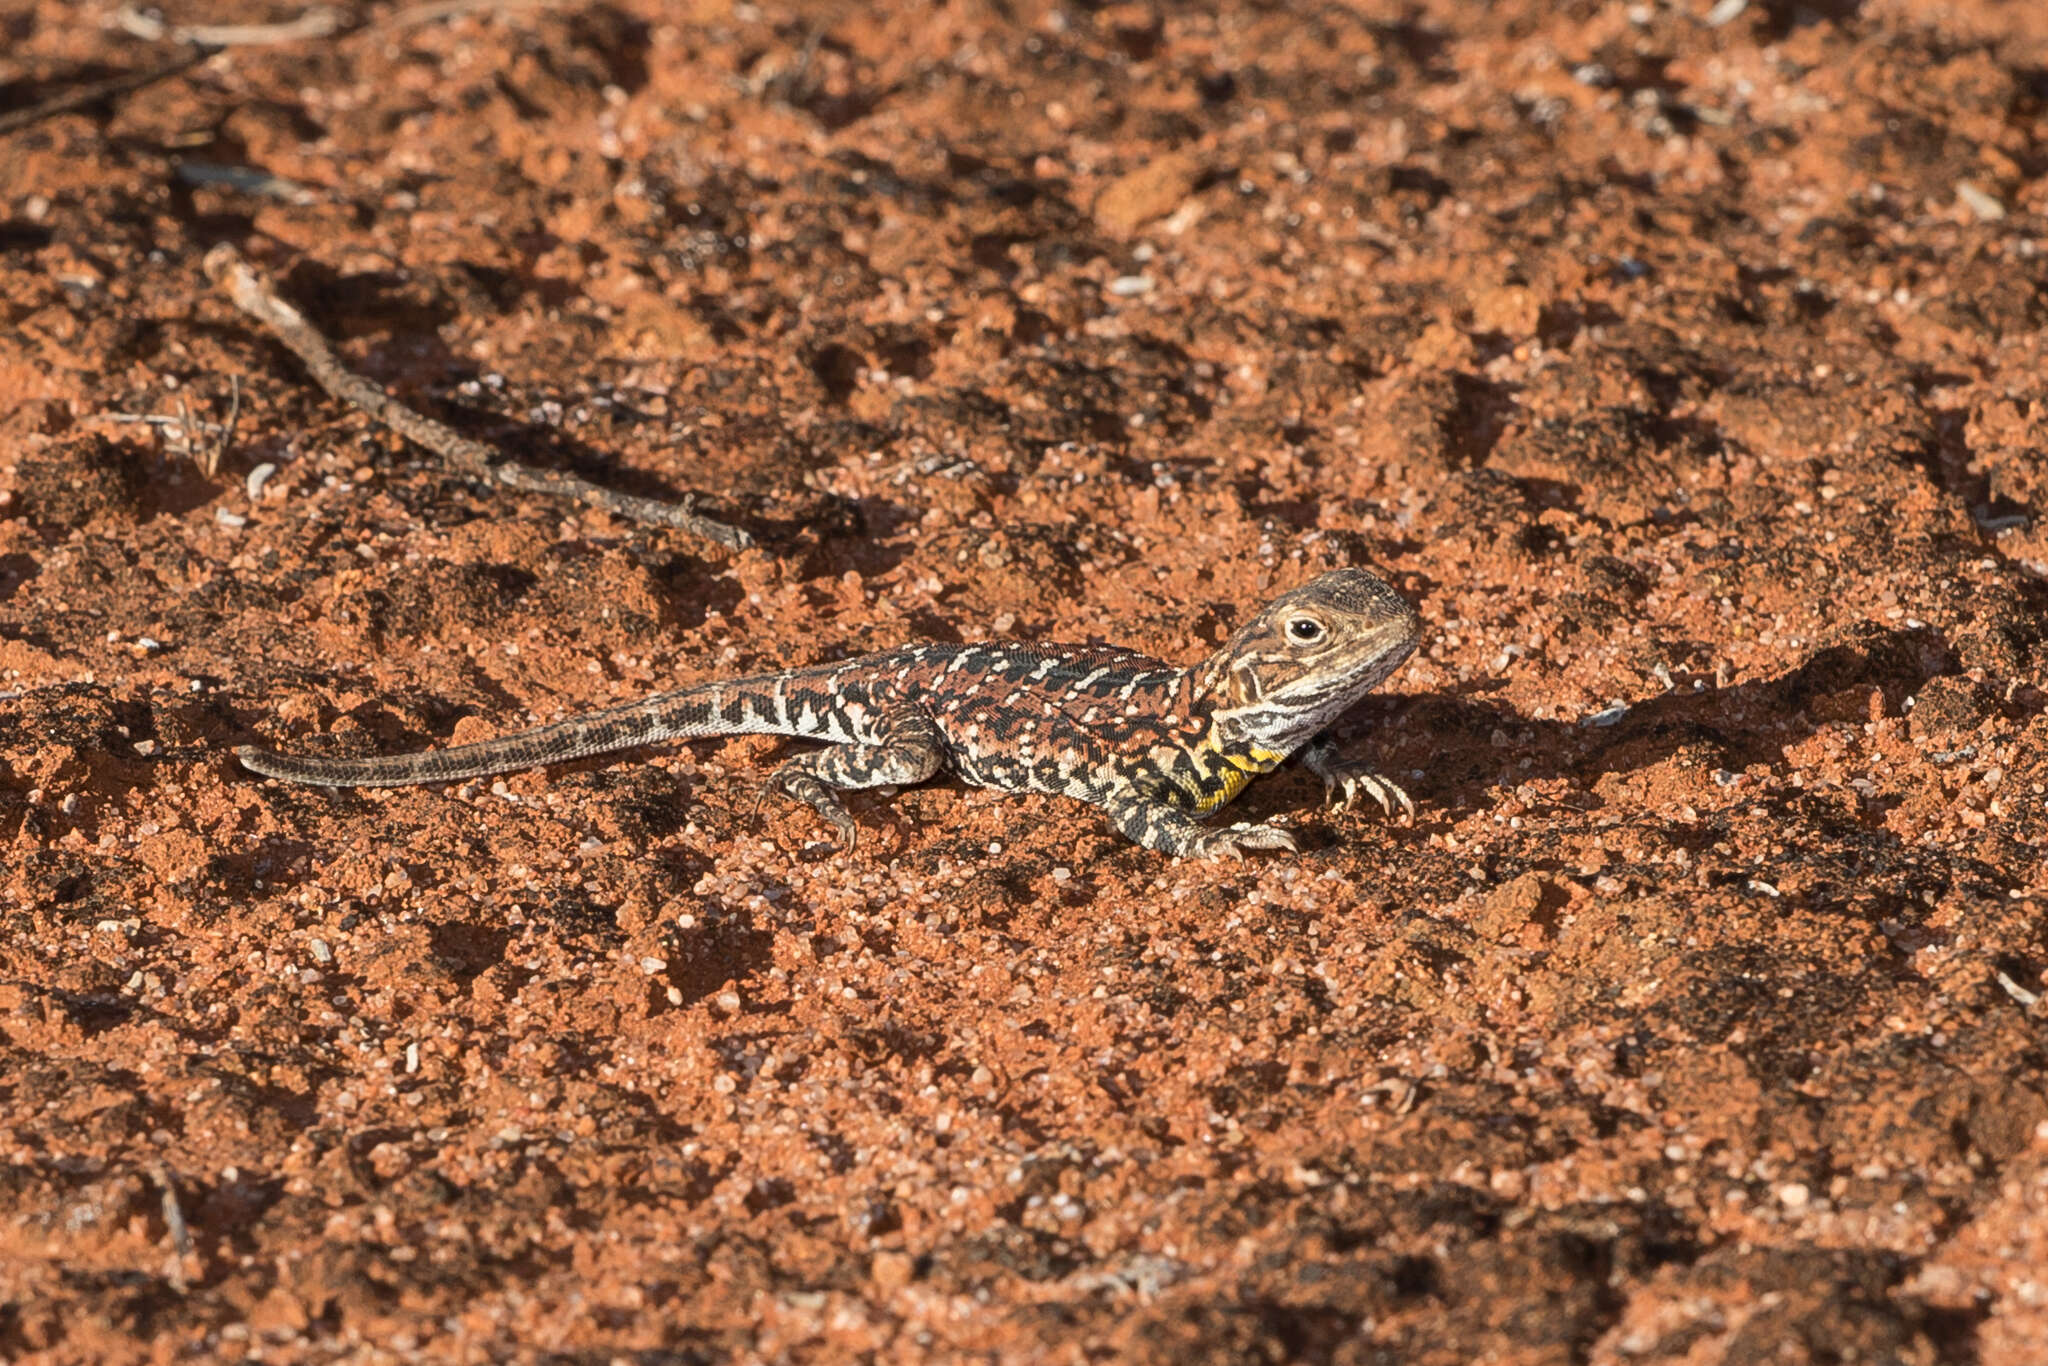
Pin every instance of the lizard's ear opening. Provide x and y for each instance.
(1245, 687)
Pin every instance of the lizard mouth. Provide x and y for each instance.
(1390, 651)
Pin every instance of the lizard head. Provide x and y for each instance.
(1308, 655)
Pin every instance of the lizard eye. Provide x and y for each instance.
(1304, 630)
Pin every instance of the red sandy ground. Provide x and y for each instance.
(1689, 377)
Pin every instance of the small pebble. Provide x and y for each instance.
(1987, 208)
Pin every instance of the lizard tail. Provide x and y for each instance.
(748, 706)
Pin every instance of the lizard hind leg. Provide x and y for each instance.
(808, 789)
(908, 749)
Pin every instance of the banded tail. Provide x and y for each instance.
(767, 704)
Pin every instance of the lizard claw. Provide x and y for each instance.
(791, 781)
(1343, 785)
(762, 791)
(1233, 842)
(849, 833)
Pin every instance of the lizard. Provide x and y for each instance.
(1157, 748)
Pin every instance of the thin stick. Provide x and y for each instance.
(227, 436)
(175, 1225)
(317, 22)
(253, 296)
(245, 180)
(186, 447)
(87, 95)
(448, 9)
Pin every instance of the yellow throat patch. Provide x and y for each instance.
(1232, 771)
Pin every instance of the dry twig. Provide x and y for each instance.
(179, 1264)
(245, 180)
(85, 96)
(227, 436)
(254, 297)
(181, 431)
(317, 22)
(437, 10)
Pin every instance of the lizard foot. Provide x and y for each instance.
(1232, 843)
(794, 782)
(1344, 782)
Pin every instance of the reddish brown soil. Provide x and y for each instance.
(1691, 378)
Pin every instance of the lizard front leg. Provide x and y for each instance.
(1162, 826)
(1343, 779)
(907, 749)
